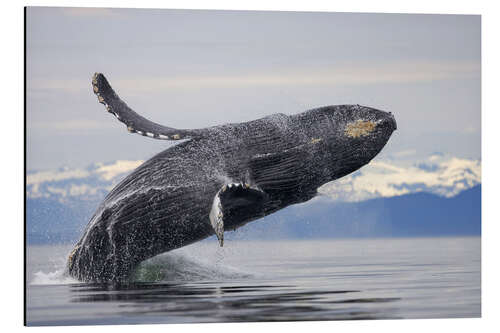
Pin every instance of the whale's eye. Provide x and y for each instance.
(359, 128)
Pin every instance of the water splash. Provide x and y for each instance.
(178, 266)
(182, 267)
(58, 276)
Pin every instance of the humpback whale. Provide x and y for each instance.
(218, 179)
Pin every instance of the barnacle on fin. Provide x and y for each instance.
(107, 96)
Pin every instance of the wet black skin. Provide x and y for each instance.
(165, 203)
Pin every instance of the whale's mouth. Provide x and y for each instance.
(392, 121)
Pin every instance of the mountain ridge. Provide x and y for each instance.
(440, 174)
(437, 197)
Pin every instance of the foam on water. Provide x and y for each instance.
(52, 278)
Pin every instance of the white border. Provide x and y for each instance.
(12, 158)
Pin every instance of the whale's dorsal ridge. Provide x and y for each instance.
(135, 123)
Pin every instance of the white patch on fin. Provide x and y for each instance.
(217, 219)
(216, 214)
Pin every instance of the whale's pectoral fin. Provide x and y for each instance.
(135, 123)
(233, 205)
(280, 172)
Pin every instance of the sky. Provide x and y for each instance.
(191, 69)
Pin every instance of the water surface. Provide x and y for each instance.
(268, 281)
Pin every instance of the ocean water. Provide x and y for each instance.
(268, 281)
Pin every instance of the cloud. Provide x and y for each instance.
(471, 130)
(103, 172)
(68, 85)
(92, 182)
(108, 172)
(341, 75)
(71, 125)
(345, 74)
(405, 153)
(55, 175)
(88, 11)
(79, 190)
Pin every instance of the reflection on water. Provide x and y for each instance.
(206, 302)
(268, 281)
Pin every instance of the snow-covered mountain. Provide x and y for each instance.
(89, 183)
(60, 202)
(439, 174)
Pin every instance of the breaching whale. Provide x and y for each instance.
(218, 179)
